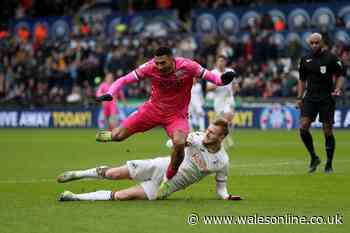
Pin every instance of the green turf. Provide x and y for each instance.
(268, 169)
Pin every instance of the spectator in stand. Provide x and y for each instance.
(279, 24)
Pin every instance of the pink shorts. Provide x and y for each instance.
(148, 117)
(109, 109)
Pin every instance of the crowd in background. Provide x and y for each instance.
(37, 8)
(38, 72)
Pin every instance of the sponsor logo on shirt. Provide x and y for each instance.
(179, 73)
(171, 83)
(134, 165)
(196, 158)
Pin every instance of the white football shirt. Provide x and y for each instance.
(199, 162)
(223, 95)
(197, 101)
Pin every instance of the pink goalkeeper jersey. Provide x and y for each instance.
(171, 94)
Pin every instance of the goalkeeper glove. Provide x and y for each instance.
(227, 77)
(105, 97)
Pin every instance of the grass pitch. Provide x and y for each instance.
(268, 169)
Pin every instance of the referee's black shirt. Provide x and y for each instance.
(317, 71)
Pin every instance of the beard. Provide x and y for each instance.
(208, 142)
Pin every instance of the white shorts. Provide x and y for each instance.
(196, 109)
(221, 107)
(149, 173)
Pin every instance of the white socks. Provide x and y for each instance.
(88, 173)
(102, 195)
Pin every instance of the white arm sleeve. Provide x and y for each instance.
(221, 190)
(221, 181)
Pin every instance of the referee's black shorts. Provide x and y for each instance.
(325, 107)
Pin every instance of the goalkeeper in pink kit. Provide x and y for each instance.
(109, 108)
(171, 83)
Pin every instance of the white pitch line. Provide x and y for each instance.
(277, 164)
(267, 164)
(272, 173)
(27, 181)
(282, 173)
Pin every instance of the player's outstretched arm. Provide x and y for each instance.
(101, 95)
(117, 85)
(221, 185)
(224, 79)
(221, 190)
(105, 97)
(228, 76)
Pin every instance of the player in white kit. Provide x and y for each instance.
(223, 97)
(196, 111)
(204, 155)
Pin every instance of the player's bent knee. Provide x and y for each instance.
(117, 173)
(328, 133)
(304, 126)
(121, 196)
(327, 130)
(179, 144)
(305, 123)
(179, 140)
(111, 174)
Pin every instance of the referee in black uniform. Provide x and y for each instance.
(316, 92)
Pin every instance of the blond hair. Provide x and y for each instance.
(223, 124)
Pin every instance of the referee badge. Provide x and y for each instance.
(323, 69)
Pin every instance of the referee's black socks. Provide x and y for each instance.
(330, 147)
(308, 142)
